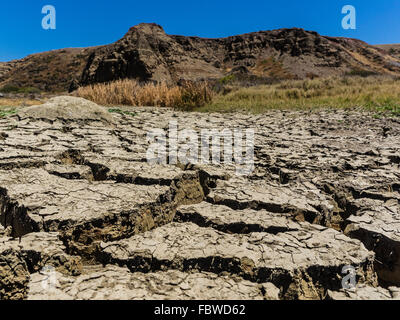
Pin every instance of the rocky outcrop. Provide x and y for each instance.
(147, 53)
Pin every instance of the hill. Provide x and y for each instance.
(49, 71)
(147, 53)
(393, 49)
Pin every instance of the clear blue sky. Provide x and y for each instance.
(82, 23)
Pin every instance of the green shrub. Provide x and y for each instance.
(7, 112)
(361, 73)
(16, 89)
(227, 79)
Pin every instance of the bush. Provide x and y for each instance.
(15, 89)
(361, 73)
(227, 79)
(9, 89)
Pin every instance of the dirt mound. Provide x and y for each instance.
(68, 109)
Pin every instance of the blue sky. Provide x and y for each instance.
(94, 22)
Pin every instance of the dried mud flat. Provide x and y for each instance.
(79, 196)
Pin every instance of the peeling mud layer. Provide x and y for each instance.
(78, 199)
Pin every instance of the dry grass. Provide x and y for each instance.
(380, 94)
(130, 92)
(8, 106)
(17, 102)
(374, 93)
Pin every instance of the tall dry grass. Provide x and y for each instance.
(18, 102)
(375, 93)
(130, 92)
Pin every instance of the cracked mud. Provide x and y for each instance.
(77, 195)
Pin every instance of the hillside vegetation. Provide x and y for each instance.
(377, 93)
(374, 93)
(129, 92)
